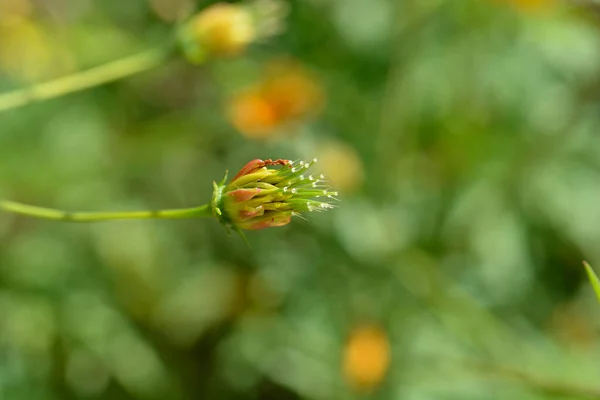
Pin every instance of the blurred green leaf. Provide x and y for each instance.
(593, 279)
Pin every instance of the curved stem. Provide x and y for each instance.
(59, 215)
(86, 79)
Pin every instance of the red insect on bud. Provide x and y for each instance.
(257, 164)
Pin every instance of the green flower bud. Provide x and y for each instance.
(260, 197)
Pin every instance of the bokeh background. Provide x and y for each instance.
(462, 136)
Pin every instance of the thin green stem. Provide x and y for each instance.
(59, 215)
(86, 79)
(551, 387)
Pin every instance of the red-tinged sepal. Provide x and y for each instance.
(241, 195)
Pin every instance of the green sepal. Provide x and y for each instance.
(244, 238)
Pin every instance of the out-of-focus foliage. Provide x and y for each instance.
(463, 137)
(593, 279)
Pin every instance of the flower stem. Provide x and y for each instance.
(85, 79)
(54, 214)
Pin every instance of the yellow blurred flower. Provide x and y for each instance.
(28, 53)
(286, 94)
(366, 357)
(342, 165)
(226, 29)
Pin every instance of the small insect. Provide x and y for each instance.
(257, 164)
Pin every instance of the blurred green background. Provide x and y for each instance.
(463, 137)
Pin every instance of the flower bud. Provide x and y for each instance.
(260, 197)
(225, 29)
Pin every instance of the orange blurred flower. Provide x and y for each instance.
(252, 115)
(290, 89)
(366, 357)
(286, 94)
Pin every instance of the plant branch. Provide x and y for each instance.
(86, 79)
(541, 385)
(59, 215)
